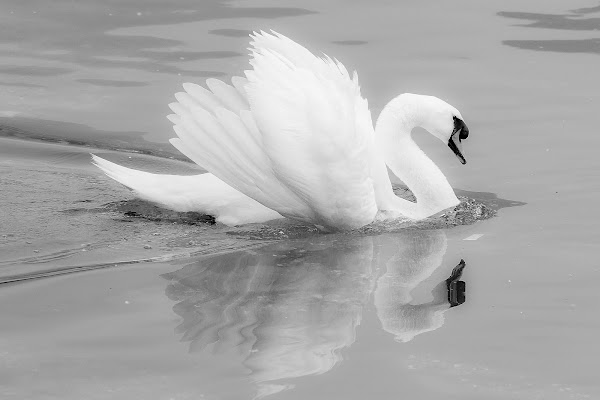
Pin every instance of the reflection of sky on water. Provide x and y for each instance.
(80, 32)
(70, 61)
(350, 42)
(230, 32)
(31, 70)
(570, 21)
(108, 82)
(574, 20)
(562, 46)
(20, 84)
(292, 308)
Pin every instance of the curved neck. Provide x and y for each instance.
(407, 161)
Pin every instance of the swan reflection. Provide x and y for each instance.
(290, 308)
(415, 260)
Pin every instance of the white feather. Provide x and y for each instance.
(293, 135)
(201, 193)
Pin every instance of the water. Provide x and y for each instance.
(523, 76)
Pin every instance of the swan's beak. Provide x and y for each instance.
(460, 132)
(456, 146)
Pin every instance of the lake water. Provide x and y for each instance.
(207, 313)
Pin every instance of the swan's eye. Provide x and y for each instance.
(459, 125)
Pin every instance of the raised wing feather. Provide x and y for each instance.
(295, 136)
(228, 144)
(316, 129)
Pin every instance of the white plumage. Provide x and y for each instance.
(293, 138)
(205, 193)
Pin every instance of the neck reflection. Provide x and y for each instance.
(291, 308)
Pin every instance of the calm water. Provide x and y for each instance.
(336, 317)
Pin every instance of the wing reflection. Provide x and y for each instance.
(291, 308)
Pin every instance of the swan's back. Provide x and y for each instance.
(295, 134)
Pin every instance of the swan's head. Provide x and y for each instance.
(445, 122)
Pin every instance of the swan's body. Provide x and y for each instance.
(295, 139)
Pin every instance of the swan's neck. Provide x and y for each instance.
(407, 161)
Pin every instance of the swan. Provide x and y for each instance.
(294, 138)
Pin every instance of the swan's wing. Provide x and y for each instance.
(216, 130)
(203, 193)
(316, 129)
(295, 135)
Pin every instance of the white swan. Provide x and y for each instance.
(295, 139)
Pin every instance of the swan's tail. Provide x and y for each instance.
(203, 193)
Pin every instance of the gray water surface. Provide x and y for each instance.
(326, 316)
